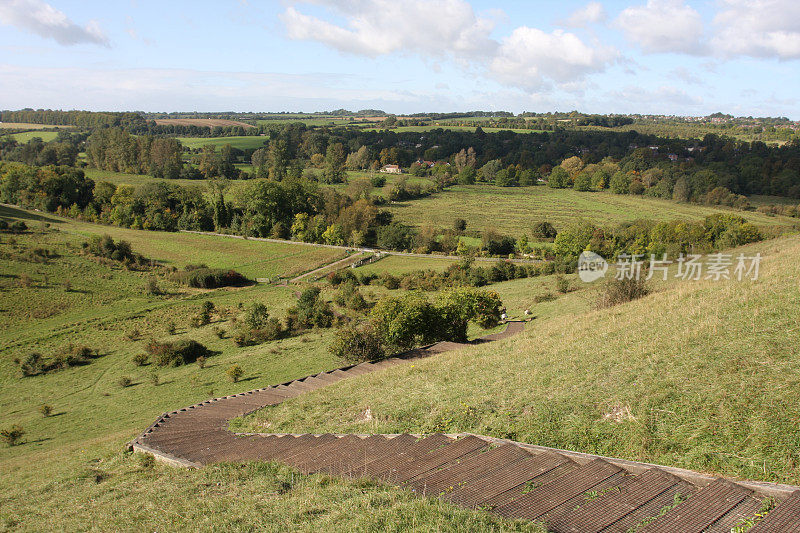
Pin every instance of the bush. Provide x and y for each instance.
(46, 409)
(177, 353)
(544, 231)
(12, 435)
(154, 379)
(209, 278)
(201, 361)
(562, 284)
(377, 181)
(257, 316)
(32, 364)
(356, 344)
(140, 359)
(125, 381)
(235, 373)
(152, 287)
(219, 332)
(270, 331)
(170, 327)
(617, 291)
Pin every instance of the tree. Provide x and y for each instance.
(278, 159)
(235, 372)
(464, 158)
(558, 179)
(260, 162)
(681, 192)
(572, 165)
(583, 182)
(620, 183)
(335, 159)
(210, 161)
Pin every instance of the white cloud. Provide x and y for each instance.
(758, 28)
(663, 26)
(378, 27)
(39, 17)
(591, 13)
(529, 57)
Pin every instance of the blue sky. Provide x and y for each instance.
(646, 56)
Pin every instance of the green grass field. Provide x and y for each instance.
(251, 258)
(703, 374)
(26, 136)
(513, 210)
(243, 143)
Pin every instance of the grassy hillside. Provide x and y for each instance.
(70, 471)
(700, 375)
(251, 258)
(513, 210)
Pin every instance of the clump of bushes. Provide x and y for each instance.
(400, 323)
(358, 343)
(350, 297)
(13, 435)
(17, 226)
(182, 352)
(202, 277)
(121, 251)
(617, 291)
(34, 363)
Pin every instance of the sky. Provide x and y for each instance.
(675, 57)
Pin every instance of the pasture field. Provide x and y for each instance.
(26, 136)
(254, 259)
(70, 472)
(242, 142)
(513, 210)
(653, 380)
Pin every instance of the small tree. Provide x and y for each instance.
(46, 409)
(12, 435)
(125, 381)
(257, 316)
(235, 373)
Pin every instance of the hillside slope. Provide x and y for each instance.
(701, 375)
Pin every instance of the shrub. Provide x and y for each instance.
(544, 231)
(544, 297)
(46, 409)
(235, 373)
(617, 291)
(219, 332)
(133, 335)
(32, 364)
(271, 330)
(176, 353)
(12, 435)
(209, 278)
(389, 281)
(125, 381)
(170, 327)
(140, 359)
(201, 361)
(152, 287)
(562, 284)
(18, 226)
(377, 181)
(356, 344)
(257, 316)
(154, 379)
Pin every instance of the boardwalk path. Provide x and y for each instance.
(569, 491)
